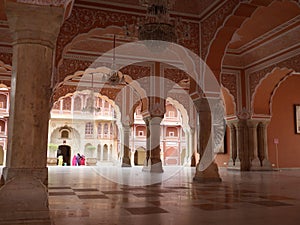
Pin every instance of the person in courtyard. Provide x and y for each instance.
(60, 160)
(78, 159)
(82, 160)
(74, 161)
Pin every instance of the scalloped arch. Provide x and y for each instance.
(261, 99)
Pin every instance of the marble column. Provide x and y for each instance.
(191, 145)
(233, 162)
(253, 149)
(153, 157)
(206, 169)
(24, 197)
(262, 138)
(126, 148)
(146, 162)
(242, 145)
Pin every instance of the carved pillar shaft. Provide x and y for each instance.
(126, 148)
(154, 127)
(207, 169)
(253, 145)
(233, 149)
(263, 137)
(35, 29)
(191, 144)
(242, 145)
(147, 143)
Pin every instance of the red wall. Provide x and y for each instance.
(282, 124)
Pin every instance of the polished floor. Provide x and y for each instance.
(98, 195)
(112, 196)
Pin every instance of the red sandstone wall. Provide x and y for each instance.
(282, 125)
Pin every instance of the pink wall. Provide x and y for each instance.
(282, 124)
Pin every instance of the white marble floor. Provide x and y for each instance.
(99, 195)
(112, 196)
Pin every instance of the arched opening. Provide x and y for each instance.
(171, 156)
(65, 152)
(99, 152)
(105, 153)
(139, 156)
(1, 155)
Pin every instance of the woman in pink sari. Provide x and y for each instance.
(74, 161)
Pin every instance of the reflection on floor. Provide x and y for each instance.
(89, 196)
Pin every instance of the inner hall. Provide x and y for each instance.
(149, 112)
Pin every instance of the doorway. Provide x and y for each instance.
(65, 151)
(139, 156)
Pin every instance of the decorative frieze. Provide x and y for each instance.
(212, 23)
(255, 77)
(229, 81)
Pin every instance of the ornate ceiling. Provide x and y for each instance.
(239, 35)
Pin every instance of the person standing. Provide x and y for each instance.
(78, 159)
(74, 161)
(60, 160)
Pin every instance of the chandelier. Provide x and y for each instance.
(90, 103)
(115, 77)
(157, 24)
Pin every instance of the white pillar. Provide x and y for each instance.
(155, 151)
(126, 149)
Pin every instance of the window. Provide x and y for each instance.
(3, 100)
(99, 128)
(171, 134)
(111, 129)
(171, 114)
(64, 134)
(2, 126)
(105, 129)
(141, 133)
(77, 103)
(56, 105)
(89, 128)
(67, 103)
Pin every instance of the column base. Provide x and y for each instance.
(126, 162)
(266, 165)
(24, 200)
(230, 163)
(39, 173)
(156, 167)
(193, 160)
(255, 164)
(153, 166)
(235, 166)
(210, 174)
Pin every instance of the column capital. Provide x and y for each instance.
(252, 123)
(41, 27)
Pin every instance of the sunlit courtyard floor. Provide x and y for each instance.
(128, 196)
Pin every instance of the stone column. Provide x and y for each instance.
(126, 148)
(146, 163)
(191, 144)
(155, 160)
(24, 197)
(188, 148)
(242, 145)
(232, 151)
(206, 169)
(262, 138)
(253, 150)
